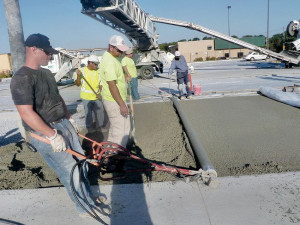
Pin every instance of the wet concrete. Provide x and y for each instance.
(248, 134)
(241, 135)
(159, 137)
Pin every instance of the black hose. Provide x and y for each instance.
(82, 192)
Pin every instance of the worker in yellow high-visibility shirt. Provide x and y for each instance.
(89, 79)
(131, 72)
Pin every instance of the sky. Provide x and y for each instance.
(65, 25)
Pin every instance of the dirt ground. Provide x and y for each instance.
(241, 135)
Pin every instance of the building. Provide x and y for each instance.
(217, 48)
(5, 63)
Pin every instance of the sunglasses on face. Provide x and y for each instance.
(47, 53)
(118, 50)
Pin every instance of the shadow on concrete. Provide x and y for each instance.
(275, 77)
(262, 65)
(136, 211)
(10, 222)
(10, 137)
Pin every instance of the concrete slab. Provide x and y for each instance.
(265, 199)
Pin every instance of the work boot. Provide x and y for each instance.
(189, 97)
(182, 97)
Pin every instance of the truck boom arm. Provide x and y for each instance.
(224, 37)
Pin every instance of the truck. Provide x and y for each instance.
(127, 17)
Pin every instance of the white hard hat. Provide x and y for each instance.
(177, 53)
(129, 51)
(118, 42)
(94, 59)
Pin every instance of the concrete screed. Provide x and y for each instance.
(242, 135)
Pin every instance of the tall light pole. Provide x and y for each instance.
(268, 25)
(228, 7)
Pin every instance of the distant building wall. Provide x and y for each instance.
(216, 48)
(5, 62)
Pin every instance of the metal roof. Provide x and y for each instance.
(258, 41)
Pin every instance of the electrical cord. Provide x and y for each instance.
(93, 214)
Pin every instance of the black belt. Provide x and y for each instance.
(57, 121)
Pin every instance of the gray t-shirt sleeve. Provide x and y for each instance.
(21, 89)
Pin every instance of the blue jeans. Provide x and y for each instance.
(62, 162)
(94, 113)
(134, 89)
(182, 78)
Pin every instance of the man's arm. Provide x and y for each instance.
(128, 77)
(78, 80)
(33, 120)
(116, 95)
(172, 67)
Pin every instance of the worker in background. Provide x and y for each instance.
(131, 72)
(114, 91)
(179, 64)
(94, 111)
(44, 112)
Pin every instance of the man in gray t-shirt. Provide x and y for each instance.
(43, 110)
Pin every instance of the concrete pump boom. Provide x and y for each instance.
(192, 26)
(127, 17)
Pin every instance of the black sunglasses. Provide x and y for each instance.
(118, 50)
(47, 53)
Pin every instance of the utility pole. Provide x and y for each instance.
(268, 25)
(228, 7)
(15, 33)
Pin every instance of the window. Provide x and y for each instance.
(227, 55)
(240, 54)
(209, 47)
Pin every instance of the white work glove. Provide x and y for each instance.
(74, 124)
(57, 142)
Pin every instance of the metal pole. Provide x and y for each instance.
(15, 33)
(228, 7)
(268, 25)
(196, 145)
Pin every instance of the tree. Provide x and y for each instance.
(207, 38)
(247, 36)
(278, 40)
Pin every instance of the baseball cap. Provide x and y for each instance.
(118, 42)
(40, 41)
(129, 51)
(177, 53)
(94, 59)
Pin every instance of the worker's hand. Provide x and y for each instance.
(124, 110)
(74, 124)
(98, 96)
(57, 142)
(128, 78)
(78, 72)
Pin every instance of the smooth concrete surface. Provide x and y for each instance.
(247, 200)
